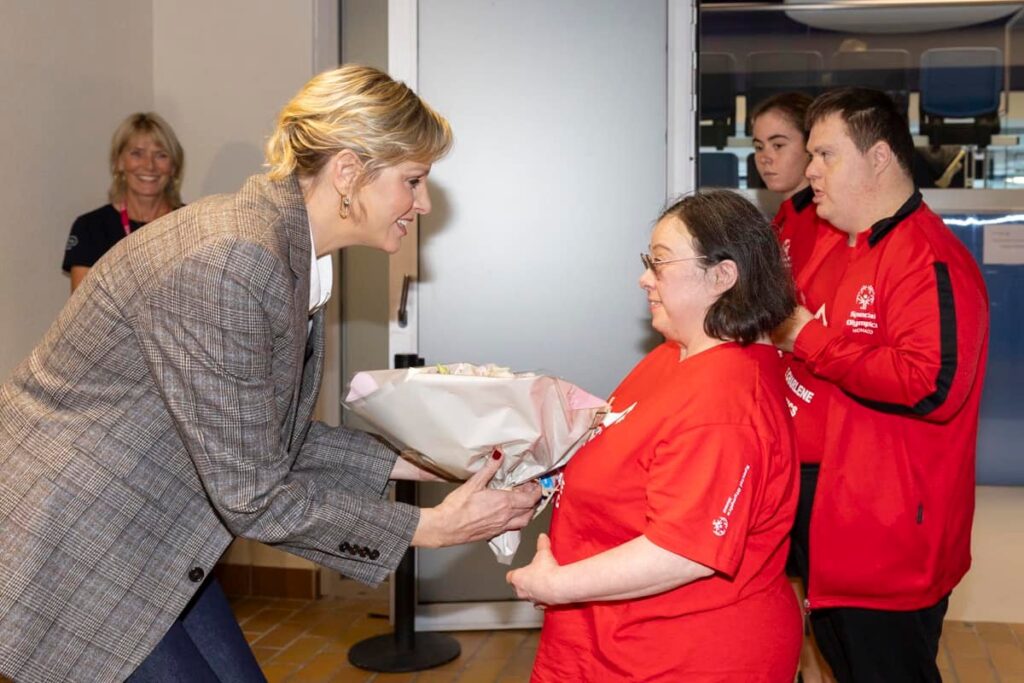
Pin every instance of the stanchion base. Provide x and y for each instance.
(382, 653)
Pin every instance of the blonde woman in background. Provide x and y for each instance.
(147, 164)
(168, 410)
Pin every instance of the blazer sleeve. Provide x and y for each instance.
(351, 459)
(211, 332)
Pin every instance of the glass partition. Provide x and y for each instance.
(957, 72)
(955, 69)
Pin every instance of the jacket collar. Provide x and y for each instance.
(286, 196)
(883, 227)
(802, 199)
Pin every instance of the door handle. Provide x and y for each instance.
(403, 303)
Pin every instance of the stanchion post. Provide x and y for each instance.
(405, 649)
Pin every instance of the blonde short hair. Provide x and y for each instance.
(361, 109)
(147, 123)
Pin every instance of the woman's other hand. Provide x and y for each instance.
(536, 581)
(474, 512)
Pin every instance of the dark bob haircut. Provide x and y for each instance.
(870, 116)
(725, 226)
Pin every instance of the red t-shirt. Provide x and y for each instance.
(808, 397)
(698, 457)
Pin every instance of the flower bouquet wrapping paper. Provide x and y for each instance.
(453, 417)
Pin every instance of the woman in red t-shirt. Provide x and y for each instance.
(780, 154)
(669, 538)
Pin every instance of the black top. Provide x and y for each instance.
(92, 234)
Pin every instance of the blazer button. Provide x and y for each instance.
(374, 554)
(345, 547)
(196, 574)
(363, 551)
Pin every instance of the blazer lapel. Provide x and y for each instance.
(307, 388)
(286, 196)
(313, 370)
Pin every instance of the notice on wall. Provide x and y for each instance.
(1003, 244)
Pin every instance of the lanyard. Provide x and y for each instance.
(125, 223)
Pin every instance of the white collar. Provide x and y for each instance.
(321, 277)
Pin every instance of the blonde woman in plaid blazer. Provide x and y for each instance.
(168, 409)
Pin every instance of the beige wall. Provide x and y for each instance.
(991, 590)
(69, 72)
(221, 72)
(364, 284)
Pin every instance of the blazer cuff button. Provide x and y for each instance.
(196, 574)
(363, 551)
(374, 554)
(345, 547)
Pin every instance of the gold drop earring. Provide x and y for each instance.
(344, 206)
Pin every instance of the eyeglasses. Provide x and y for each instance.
(654, 264)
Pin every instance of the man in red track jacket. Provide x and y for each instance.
(904, 338)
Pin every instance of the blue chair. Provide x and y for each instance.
(960, 92)
(718, 76)
(719, 169)
(769, 73)
(885, 70)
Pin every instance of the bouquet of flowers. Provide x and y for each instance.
(453, 417)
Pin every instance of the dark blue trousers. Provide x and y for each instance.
(204, 645)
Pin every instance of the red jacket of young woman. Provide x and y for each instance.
(906, 343)
(801, 233)
(796, 224)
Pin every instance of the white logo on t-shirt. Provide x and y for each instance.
(863, 321)
(611, 418)
(865, 296)
(721, 524)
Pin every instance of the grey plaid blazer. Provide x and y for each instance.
(165, 411)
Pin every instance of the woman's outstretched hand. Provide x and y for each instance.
(536, 581)
(474, 512)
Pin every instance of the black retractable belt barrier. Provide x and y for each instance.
(405, 649)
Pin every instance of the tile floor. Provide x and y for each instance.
(301, 641)
(307, 641)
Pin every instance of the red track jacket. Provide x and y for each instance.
(796, 225)
(906, 343)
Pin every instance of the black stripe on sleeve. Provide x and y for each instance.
(947, 354)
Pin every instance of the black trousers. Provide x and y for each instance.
(865, 645)
(798, 562)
